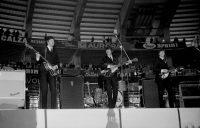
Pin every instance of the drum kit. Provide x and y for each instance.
(88, 100)
(121, 89)
(100, 98)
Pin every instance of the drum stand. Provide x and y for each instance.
(58, 80)
(104, 97)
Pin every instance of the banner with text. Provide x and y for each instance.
(16, 36)
(129, 46)
(58, 43)
(97, 45)
(159, 45)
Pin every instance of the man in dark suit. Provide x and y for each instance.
(111, 81)
(161, 70)
(47, 77)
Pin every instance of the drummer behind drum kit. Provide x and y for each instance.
(89, 101)
(100, 98)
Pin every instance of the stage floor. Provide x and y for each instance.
(101, 118)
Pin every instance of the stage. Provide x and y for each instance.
(72, 111)
(101, 118)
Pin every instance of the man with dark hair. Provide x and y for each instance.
(49, 63)
(111, 82)
(161, 70)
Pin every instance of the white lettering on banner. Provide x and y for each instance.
(91, 45)
(96, 45)
(37, 41)
(9, 39)
(170, 45)
(13, 39)
(35, 71)
(31, 71)
(30, 80)
(101, 45)
(34, 81)
(3, 38)
(91, 74)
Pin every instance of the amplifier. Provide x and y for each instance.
(70, 72)
(12, 89)
(71, 92)
(150, 93)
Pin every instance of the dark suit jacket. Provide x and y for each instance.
(106, 61)
(51, 57)
(158, 65)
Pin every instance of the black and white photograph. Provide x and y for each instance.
(99, 63)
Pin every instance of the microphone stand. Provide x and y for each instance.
(123, 82)
(121, 47)
(197, 49)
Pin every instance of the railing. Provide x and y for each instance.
(191, 92)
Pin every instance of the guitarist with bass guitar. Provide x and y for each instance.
(48, 58)
(161, 68)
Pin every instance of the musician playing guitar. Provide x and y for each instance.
(109, 62)
(162, 80)
(46, 77)
(111, 83)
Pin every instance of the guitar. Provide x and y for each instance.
(89, 100)
(165, 73)
(113, 68)
(48, 66)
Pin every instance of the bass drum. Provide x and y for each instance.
(121, 85)
(104, 99)
(119, 102)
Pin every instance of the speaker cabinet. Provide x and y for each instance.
(12, 89)
(150, 93)
(71, 92)
(189, 94)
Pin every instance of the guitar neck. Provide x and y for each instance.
(41, 56)
(120, 64)
(127, 62)
(44, 59)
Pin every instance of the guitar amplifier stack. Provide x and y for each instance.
(12, 89)
(150, 93)
(71, 92)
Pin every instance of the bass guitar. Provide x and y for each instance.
(113, 68)
(48, 66)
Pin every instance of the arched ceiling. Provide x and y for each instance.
(186, 21)
(13, 13)
(99, 19)
(87, 19)
(53, 17)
